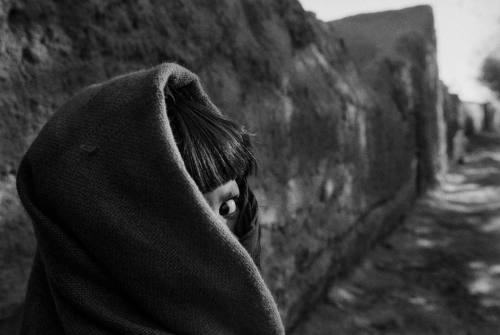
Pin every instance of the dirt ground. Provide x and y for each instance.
(439, 272)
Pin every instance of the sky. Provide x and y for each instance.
(467, 31)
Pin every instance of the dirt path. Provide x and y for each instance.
(439, 273)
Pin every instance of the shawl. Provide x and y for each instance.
(126, 243)
(247, 228)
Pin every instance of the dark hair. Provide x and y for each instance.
(215, 149)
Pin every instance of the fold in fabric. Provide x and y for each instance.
(126, 242)
(247, 228)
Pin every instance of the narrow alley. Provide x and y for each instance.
(439, 272)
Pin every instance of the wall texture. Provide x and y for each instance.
(345, 133)
(396, 53)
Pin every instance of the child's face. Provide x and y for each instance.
(223, 200)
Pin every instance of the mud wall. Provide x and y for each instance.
(342, 142)
(396, 55)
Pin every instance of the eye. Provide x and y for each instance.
(228, 207)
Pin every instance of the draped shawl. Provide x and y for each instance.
(126, 242)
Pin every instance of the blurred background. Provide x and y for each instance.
(466, 33)
(376, 135)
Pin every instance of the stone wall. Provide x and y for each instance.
(396, 55)
(343, 139)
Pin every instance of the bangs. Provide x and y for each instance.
(215, 150)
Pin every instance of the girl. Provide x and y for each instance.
(218, 156)
(144, 220)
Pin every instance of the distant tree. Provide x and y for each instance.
(490, 74)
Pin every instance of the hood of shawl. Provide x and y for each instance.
(123, 231)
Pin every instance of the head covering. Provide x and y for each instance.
(247, 227)
(126, 242)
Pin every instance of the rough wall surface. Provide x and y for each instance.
(338, 157)
(396, 54)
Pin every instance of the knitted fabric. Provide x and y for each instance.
(126, 242)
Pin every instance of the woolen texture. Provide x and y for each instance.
(247, 227)
(126, 242)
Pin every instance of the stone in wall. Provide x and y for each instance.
(338, 155)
